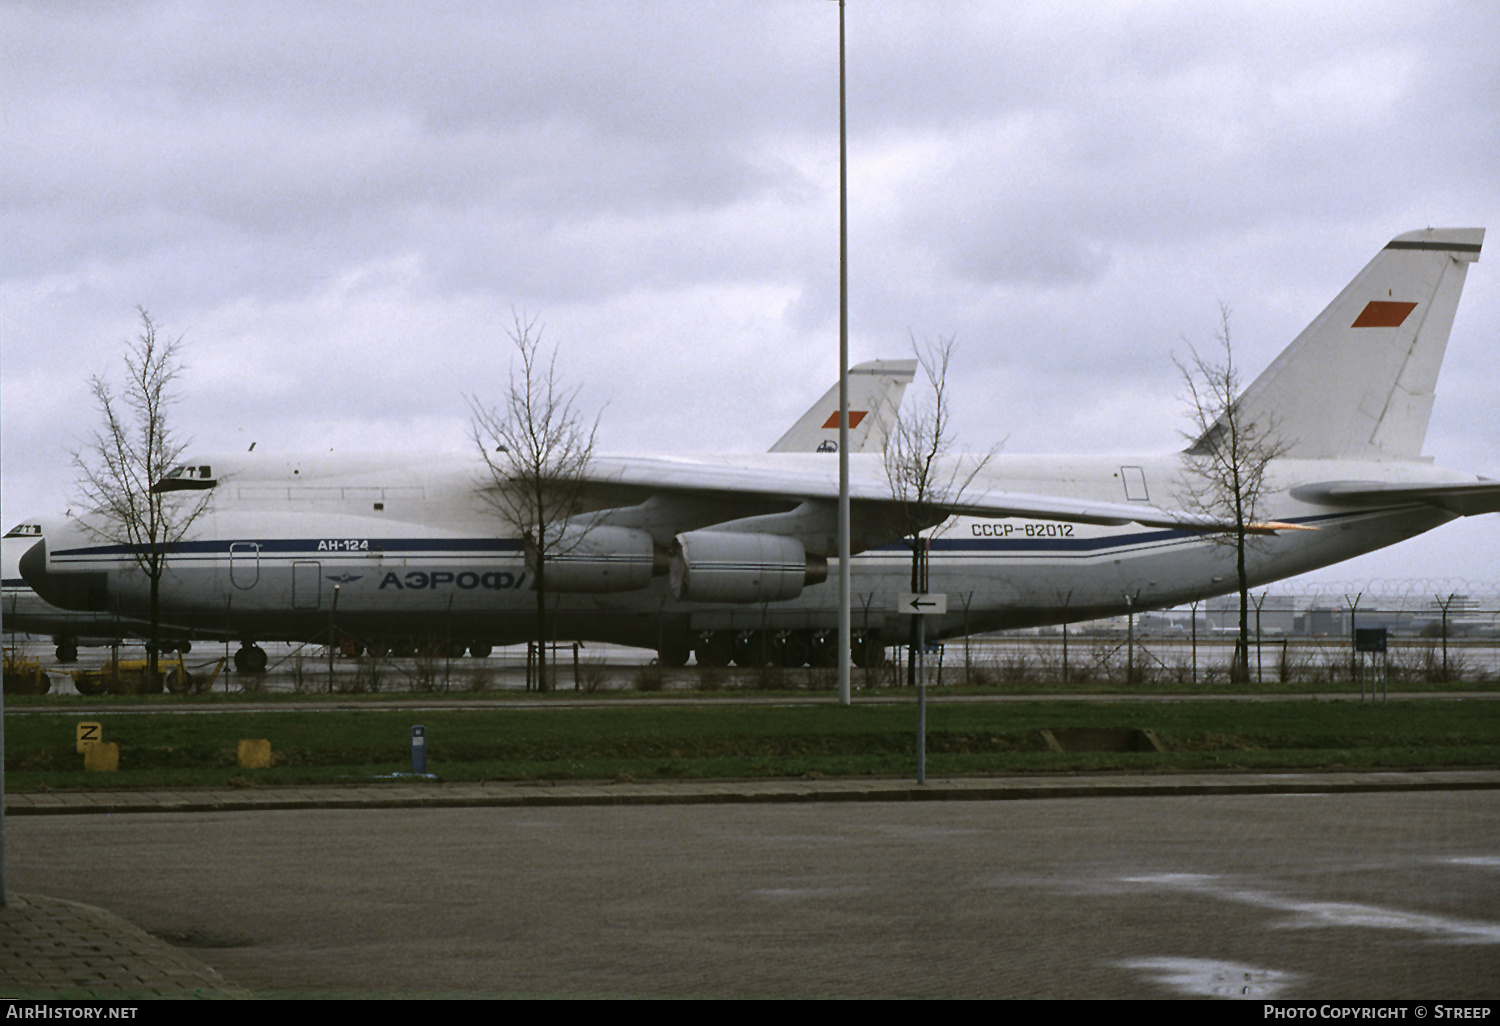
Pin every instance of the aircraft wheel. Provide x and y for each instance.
(825, 650)
(480, 649)
(673, 653)
(67, 651)
(776, 648)
(715, 648)
(794, 650)
(868, 650)
(751, 650)
(250, 659)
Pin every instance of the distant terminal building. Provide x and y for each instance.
(1337, 615)
(1412, 613)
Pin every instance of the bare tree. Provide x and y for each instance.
(1227, 463)
(921, 475)
(537, 448)
(125, 467)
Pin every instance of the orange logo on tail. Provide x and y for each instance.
(1383, 315)
(855, 416)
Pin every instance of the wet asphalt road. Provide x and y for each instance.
(1392, 895)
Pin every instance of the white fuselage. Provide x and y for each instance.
(381, 546)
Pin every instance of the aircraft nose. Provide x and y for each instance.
(85, 592)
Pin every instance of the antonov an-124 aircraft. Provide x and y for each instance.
(725, 557)
(875, 390)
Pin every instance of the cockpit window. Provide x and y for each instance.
(186, 478)
(25, 531)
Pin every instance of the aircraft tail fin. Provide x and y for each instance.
(875, 392)
(1359, 382)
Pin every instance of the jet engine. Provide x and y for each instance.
(600, 559)
(724, 566)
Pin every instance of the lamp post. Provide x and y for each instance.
(845, 647)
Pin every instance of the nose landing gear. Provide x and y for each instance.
(251, 658)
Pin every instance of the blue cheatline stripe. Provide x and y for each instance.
(490, 547)
(1077, 546)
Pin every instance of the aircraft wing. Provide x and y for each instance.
(1465, 498)
(759, 488)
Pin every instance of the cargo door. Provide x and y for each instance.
(307, 581)
(244, 564)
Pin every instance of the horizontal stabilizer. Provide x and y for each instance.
(1466, 499)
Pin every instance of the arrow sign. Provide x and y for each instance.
(918, 604)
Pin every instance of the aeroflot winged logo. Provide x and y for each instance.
(1382, 314)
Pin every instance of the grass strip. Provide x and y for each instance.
(725, 740)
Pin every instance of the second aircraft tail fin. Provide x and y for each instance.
(875, 392)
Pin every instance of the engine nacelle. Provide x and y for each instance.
(725, 566)
(599, 559)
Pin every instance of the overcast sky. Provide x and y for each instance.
(340, 207)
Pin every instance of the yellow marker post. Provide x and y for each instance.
(89, 734)
(102, 756)
(254, 754)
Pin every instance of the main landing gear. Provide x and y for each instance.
(788, 649)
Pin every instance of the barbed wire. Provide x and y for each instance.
(1425, 589)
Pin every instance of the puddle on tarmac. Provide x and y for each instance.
(1478, 861)
(1304, 915)
(1206, 977)
(799, 893)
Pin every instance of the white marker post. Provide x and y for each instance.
(920, 604)
(419, 749)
